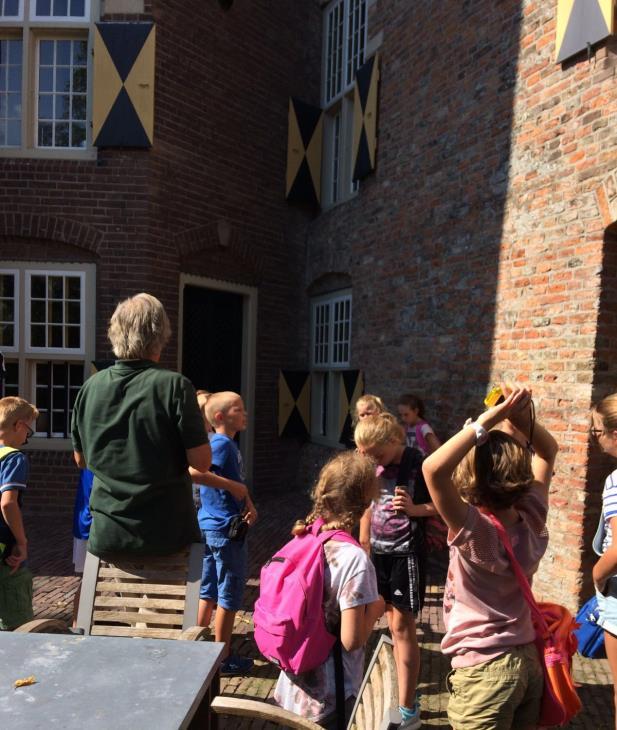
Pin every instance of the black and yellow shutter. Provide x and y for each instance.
(364, 141)
(304, 139)
(351, 388)
(123, 99)
(581, 24)
(294, 403)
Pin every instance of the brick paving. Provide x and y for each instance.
(55, 585)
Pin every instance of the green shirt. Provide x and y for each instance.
(133, 422)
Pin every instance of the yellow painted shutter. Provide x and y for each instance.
(294, 416)
(351, 388)
(304, 140)
(364, 141)
(581, 24)
(123, 85)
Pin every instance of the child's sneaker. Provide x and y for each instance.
(236, 665)
(411, 719)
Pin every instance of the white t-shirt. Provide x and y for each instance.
(609, 508)
(350, 581)
(410, 435)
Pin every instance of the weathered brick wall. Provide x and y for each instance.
(476, 248)
(555, 264)
(222, 87)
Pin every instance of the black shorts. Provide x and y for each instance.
(401, 580)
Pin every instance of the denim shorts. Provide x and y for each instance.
(607, 608)
(224, 570)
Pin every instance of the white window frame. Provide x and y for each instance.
(27, 357)
(14, 18)
(59, 18)
(16, 310)
(69, 351)
(326, 372)
(31, 29)
(337, 185)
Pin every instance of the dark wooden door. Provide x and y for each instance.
(212, 338)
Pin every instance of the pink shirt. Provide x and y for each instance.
(485, 612)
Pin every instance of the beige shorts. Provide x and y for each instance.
(501, 694)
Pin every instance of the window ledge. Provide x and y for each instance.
(37, 443)
(331, 206)
(52, 154)
(323, 441)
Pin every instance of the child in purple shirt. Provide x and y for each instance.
(497, 678)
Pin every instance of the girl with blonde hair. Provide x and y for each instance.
(346, 485)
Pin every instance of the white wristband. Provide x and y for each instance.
(481, 433)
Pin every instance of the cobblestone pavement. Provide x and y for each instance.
(55, 585)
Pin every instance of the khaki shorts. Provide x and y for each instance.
(15, 597)
(501, 694)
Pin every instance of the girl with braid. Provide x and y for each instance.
(344, 489)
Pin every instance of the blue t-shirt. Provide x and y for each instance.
(82, 519)
(13, 475)
(217, 505)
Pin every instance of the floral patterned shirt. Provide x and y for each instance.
(350, 581)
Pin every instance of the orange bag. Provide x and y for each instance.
(556, 645)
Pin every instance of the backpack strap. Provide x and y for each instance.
(520, 576)
(5, 451)
(339, 681)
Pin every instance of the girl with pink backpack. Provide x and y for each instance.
(349, 599)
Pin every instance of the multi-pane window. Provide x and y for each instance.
(66, 9)
(10, 92)
(10, 9)
(44, 74)
(56, 303)
(44, 338)
(331, 353)
(56, 385)
(8, 309)
(63, 73)
(344, 43)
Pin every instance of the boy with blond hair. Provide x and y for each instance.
(16, 417)
(225, 514)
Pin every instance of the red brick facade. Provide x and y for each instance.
(479, 248)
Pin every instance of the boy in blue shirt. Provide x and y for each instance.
(82, 519)
(225, 514)
(16, 419)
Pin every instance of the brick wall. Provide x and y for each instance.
(476, 250)
(144, 217)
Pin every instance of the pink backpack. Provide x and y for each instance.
(290, 626)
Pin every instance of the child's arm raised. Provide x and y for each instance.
(440, 465)
(545, 447)
(237, 490)
(357, 623)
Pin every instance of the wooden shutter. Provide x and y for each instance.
(294, 403)
(123, 83)
(351, 388)
(364, 145)
(580, 24)
(304, 140)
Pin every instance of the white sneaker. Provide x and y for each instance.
(414, 722)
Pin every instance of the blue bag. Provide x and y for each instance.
(590, 636)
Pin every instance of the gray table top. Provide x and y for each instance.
(103, 682)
